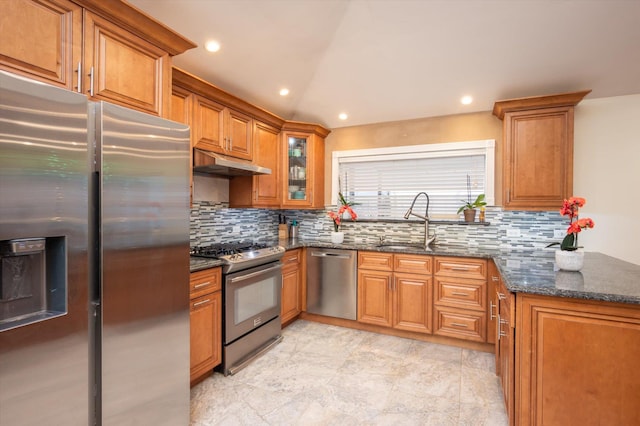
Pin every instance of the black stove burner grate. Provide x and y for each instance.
(223, 249)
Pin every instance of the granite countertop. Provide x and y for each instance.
(603, 277)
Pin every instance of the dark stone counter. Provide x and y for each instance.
(603, 278)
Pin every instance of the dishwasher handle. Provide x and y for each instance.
(336, 255)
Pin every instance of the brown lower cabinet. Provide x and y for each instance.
(460, 298)
(291, 298)
(505, 347)
(206, 322)
(577, 362)
(395, 290)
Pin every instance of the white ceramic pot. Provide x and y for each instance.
(337, 237)
(570, 260)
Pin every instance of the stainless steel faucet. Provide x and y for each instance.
(427, 240)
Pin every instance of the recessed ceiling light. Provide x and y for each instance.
(212, 46)
(343, 116)
(284, 91)
(466, 100)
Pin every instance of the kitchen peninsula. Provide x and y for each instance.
(573, 334)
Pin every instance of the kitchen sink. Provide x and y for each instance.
(400, 246)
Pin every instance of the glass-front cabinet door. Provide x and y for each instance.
(297, 168)
(303, 174)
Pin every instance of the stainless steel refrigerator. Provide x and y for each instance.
(94, 261)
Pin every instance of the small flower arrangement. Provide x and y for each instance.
(570, 208)
(344, 207)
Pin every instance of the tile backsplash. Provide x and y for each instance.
(217, 223)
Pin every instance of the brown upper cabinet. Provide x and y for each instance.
(223, 123)
(107, 50)
(220, 129)
(260, 190)
(303, 165)
(538, 150)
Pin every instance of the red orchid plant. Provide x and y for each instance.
(344, 207)
(570, 208)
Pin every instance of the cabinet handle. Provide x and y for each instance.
(501, 296)
(202, 285)
(460, 268)
(459, 293)
(230, 144)
(292, 259)
(202, 302)
(491, 306)
(457, 324)
(91, 81)
(501, 321)
(494, 278)
(80, 76)
(498, 330)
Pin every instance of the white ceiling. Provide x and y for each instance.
(386, 60)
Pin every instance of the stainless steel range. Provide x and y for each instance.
(252, 282)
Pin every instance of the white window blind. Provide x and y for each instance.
(384, 182)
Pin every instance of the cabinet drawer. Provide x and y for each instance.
(416, 264)
(461, 267)
(459, 323)
(292, 257)
(205, 281)
(461, 293)
(375, 261)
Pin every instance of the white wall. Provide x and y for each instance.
(607, 173)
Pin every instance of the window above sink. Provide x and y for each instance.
(383, 181)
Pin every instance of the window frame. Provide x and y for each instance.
(484, 147)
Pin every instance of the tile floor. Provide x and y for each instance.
(326, 375)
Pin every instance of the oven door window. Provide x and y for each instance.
(252, 298)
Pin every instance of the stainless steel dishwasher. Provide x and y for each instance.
(332, 288)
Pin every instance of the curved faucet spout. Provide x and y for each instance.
(427, 240)
(410, 211)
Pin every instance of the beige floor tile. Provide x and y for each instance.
(328, 375)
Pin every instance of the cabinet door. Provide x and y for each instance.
(492, 310)
(577, 362)
(238, 134)
(374, 297)
(180, 105)
(506, 349)
(303, 171)
(291, 285)
(42, 40)
(122, 68)
(538, 158)
(207, 125)
(412, 302)
(261, 190)
(290, 293)
(206, 333)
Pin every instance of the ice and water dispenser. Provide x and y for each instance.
(32, 281)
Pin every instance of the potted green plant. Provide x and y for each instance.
(469, 207)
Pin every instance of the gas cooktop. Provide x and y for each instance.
(239, 256)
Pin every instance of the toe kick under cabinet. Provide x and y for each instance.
(460, 298)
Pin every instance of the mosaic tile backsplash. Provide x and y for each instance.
(217, 223)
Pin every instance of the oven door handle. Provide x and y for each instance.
(254, 274)
(336, 255)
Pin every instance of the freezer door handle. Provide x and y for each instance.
(336, 255)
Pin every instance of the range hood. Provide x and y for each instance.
(216, 164)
